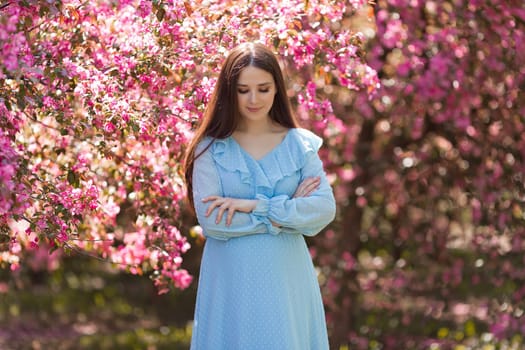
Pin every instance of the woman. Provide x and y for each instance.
(257, 185)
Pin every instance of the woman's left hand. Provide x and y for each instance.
(228, 204)
(307, 187)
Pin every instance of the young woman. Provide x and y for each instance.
(258, 186)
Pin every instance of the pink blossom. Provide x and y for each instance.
(349, 261)
(394, 34)
(109, 127)
(361, 201)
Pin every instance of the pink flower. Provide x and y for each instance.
(62, 237)
(109, 127)
(395, 34)
(49, 102)
(10, 62)
(361, 202)
(349, 261)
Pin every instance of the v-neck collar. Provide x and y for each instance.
(267, 154)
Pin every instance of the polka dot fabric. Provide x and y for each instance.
(257, 286)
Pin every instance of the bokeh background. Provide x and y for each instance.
(421, 105)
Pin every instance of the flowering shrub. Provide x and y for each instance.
(428, 248)
(98, 100)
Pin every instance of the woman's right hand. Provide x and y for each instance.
(228, 206)
(309, 185)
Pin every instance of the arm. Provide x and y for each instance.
(207, 183)
(306, 215)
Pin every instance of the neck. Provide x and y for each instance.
(256, 126)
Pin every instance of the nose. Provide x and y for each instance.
(253, 97)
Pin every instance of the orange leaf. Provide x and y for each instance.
(298, 24)
(189, 10)
(370, 12)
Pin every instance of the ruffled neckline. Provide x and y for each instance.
(268, 154)
(283, 160)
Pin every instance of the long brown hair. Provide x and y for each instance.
(222, 115)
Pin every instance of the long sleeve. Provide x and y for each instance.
(206, 182)
(305, 215)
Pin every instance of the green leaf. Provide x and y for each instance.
(53, 248)
(28, 22)
(7, 105)
(73, 178)
(160, 14)
(134, 126)
(42, 11)
(20, 97)
(59, 150)
(470, 328)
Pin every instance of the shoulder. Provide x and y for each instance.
(203, 145)
(220, 150)
(307, 139)
(208, 144)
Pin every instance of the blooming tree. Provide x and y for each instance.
(428, 248)
(98, 99)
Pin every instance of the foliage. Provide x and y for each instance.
(428, 248)
(98, 99)
(85, 304)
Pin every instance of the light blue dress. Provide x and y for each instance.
(258, 289)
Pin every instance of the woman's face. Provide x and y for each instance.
(255, 93)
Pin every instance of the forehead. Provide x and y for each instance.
(254, 76)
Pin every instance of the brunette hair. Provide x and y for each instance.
(222, 115)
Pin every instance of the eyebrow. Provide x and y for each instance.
(262, 84)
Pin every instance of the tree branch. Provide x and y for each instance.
(4, 6)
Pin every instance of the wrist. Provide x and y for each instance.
(262, 206)
(274, 224)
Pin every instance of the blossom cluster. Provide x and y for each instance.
(428, 174)
(101, 99)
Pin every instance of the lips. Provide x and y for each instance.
(253, 109)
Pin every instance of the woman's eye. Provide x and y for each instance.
(241, 91)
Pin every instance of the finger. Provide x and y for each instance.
(309, 182)
(213, 205)
(310, 191)
(229, 218)
(302, 186)
(315, 184)
(210, 198)
(300, 190)
(220, 213)
(312, 178)
(310, 185)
